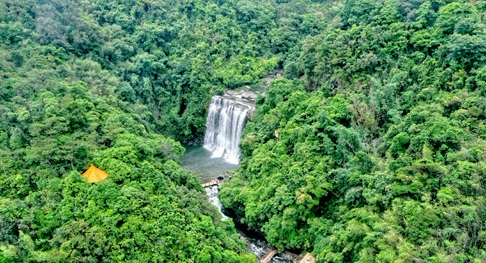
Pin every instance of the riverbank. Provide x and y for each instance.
(198, 160)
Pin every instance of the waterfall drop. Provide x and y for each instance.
(224, 126)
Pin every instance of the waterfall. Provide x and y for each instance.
(224, 126)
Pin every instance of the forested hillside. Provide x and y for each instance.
(118, 84)
(168, 56)
(373, 149)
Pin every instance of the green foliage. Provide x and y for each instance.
(61, 111)
(147, 209)
(375, 151)
(113, 83)
(371, 149)
(169, 56)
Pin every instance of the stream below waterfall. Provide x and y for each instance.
(199, 160)
(227, 116)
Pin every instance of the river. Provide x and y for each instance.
(198, 160)
(227, 116)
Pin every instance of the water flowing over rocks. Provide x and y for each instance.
(212, 193)
(257, 246)
(227, 117)
(226, 120)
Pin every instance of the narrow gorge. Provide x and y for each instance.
(226, 120)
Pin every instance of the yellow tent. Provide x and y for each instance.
(94, 174)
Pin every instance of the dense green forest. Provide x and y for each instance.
(372, 148)
(120, 84)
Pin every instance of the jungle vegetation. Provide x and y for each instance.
(120, 84)
(372, 148)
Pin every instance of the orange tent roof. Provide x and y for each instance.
(94, 174)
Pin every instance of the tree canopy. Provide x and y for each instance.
(116, 83)
(373, 148)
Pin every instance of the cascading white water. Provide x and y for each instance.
(224, 126)
(212, 193)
